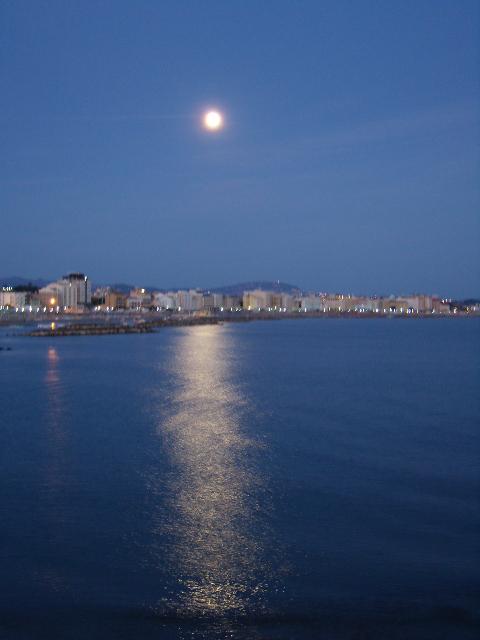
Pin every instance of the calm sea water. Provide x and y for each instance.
(294, 479)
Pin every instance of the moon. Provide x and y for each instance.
(213, 120)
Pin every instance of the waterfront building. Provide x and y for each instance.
(115, 299)
(422, 302)
(98, 296)
(336, 303)
(287, 302)
(18, 297)
(51, 295)
(362, 304)
(163, 300)
(257, 300)
(275, 301)
(77, 293)
(191, 300)
(310, 302)
(72, 293)
(196, 300)
(396, 304)
(139, 299)
(105, 297)
(213, 301)
(440, 306)
(232, 302)
(172, 295)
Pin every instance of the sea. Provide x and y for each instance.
(310, 479)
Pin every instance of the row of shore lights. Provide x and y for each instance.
(31, 309)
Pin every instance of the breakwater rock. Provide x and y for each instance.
(87, 330)
(91, 329)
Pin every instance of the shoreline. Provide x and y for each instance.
(118, 324)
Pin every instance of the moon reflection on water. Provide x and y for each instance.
(216, 494)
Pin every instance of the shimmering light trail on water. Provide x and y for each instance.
(218, 501)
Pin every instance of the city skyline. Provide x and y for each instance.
(21, 282)
(275, 287)
(73, 293)
(336, 165)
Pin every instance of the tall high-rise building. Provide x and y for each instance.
(72, 292)
(78, 291)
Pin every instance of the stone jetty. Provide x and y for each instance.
(95, 329)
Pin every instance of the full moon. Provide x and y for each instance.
(213, 120)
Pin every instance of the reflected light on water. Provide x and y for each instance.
(52, 503)
(55, 418)
(216, 492)
(52, 384)
(52, 357)
(54, 398)
(56, 435)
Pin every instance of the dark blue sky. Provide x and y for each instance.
(350, 160)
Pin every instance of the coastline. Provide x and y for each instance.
(60, 325)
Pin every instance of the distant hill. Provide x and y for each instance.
(15, 281)
(264, 285)
(124, 287)
(121, 287)
(229, 289)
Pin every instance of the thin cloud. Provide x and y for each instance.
(293, 151)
